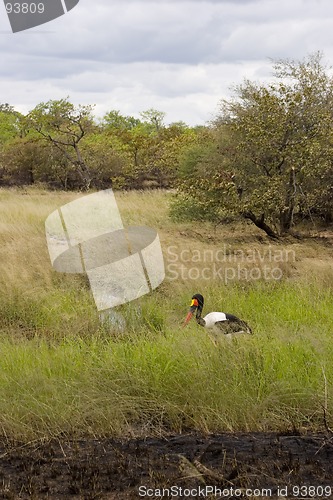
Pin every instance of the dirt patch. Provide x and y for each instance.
(116, 469)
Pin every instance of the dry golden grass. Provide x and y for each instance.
(24, 260)
(24, 257)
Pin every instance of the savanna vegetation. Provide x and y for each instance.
(251, 202)
(63, 146)
(266, 157)
(63, 372)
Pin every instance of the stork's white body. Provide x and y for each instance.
(214, 317)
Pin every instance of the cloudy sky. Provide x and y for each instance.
(177, 56)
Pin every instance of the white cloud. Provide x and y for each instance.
(179, 57)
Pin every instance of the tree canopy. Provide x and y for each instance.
(270, 153)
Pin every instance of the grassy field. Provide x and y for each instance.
(63, 372)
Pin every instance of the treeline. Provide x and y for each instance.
(63, 146)
(267, 157)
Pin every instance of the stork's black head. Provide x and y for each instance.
(196, 307)
(197, 303)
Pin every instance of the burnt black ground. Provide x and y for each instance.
(115, 469)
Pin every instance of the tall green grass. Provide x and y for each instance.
(157, 377)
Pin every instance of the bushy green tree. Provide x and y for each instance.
(271, 149)
(63, 126)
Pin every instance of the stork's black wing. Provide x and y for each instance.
(232, 325)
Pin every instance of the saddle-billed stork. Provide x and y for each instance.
(219, 322)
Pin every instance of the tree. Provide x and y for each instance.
(10, 123)
(154, 117)
(107, 159)
(6, 108)
(24, 161)
(150, 148)
(272, 146)
(205, 187)
(64, 126)
(113, 120)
